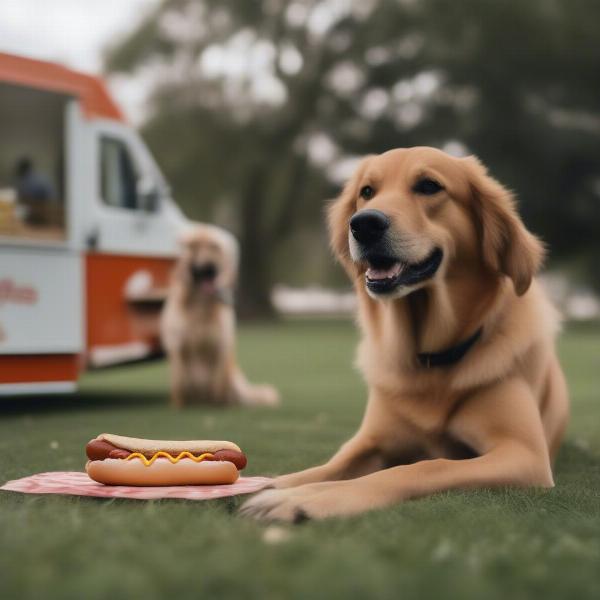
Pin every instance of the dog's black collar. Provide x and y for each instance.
(451, 356)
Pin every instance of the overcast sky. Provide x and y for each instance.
(71, 32)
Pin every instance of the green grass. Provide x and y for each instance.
(483, 544)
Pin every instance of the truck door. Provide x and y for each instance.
(131, 247)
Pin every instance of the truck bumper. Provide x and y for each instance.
(38, 373)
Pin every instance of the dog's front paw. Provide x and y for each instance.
(298, 504)
(276, 505)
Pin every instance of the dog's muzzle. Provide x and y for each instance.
(386, 275)
(388, 272)
(202, 273)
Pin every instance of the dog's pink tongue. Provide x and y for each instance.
(208, 286)
(393, 271)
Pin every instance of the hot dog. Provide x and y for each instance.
(119, 460)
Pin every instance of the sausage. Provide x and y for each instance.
(100, 449)
(237, 458)
(118, 453)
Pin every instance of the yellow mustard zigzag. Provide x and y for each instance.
(173, 460)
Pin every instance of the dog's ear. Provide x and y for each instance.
(230, 246)
(339, 213)
(506, 245)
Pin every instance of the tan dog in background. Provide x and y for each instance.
(465, 388)
(198, 324)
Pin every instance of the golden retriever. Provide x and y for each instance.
(465, 389)
(198, 324)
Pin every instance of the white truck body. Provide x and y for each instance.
(88, 230)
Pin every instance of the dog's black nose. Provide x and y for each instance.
(368, 226)
(203, 272)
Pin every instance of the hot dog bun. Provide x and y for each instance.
(162, 472)
(173, 447)
(120, 460)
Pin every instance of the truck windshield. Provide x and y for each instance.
(32, 198)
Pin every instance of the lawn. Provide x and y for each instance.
(485, 544)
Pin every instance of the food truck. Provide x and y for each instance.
(88, 230)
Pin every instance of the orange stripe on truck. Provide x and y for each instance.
(113, 318)
(37, 368)
(91, 91)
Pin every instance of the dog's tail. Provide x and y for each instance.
(254, 395)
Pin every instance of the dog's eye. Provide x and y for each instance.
(427, 187)
(367, 192)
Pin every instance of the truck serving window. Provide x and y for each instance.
(32, 191)
(118, 175)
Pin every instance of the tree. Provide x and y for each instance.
(254, 104)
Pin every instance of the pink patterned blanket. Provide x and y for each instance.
(79, 484)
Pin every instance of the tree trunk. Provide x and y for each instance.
(256, 250)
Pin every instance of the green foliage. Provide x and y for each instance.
(459, 545)
(241, 88)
